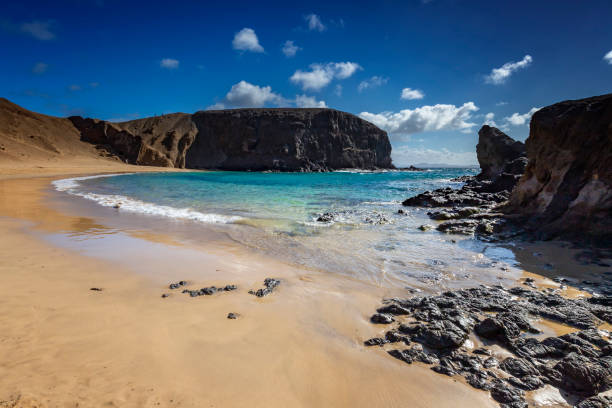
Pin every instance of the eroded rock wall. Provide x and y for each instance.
(567, 186)
(245, 139)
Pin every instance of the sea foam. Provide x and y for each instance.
(123, 203)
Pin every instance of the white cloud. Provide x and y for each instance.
(39, 29)
(404, 156)
(94, 84)
(39, 68)
(608, 57)
(74, 87)
(169, 63)
(246, 40)
(314, 23)
(501, 74)
(490, 119)
(320, 75)
(424, 119)
(501, 103)
(304, 101)
(409, 94)
(290, 49)
(246, 95)
(517, 119)
(372, 83)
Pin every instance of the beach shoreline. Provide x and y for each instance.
(65, 344)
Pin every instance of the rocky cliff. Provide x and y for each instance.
(498, 153)
(245, 139)
(567, 186)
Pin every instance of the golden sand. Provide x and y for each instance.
(63, 345)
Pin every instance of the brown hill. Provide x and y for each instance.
(27, 136)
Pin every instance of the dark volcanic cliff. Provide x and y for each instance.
(498, 153)
(567, 186)
(245, 139)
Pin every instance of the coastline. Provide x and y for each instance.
(127, 346)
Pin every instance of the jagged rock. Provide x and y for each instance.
(495, 151)
(507, 394)
(436, 327)
(518, 367)
(269, 285)
(376, 341)
(596, 402)
(566, 190)
(381, 318)
(581, 375)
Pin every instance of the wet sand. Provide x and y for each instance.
(65, 345)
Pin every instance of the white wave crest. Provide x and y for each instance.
(127, 204)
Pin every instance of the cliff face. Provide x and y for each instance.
(567, 186)
(287, 139)
(245, 139)
(497, 153)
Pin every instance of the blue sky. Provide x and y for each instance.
(429, 72)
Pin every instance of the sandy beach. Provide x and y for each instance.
(63, 344)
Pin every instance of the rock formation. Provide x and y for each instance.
(567, 186)
(434, 330)
(245, 139)
(473, 207)
(286, 139)
(498, 153)
(282, 139)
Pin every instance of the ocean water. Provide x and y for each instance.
(277, 213)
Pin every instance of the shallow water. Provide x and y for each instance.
(277, 213)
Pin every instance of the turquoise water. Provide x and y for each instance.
(277, 213)
(283, 197)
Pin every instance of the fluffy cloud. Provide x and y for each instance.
(290, 49)
(489, 119)
(372, 83)
(40, 30)
(246, 40)
(409, 94)
(424, 119)
(404, 156)
(320, 75)
(169, 63)
(304, 101)
(517, 119)
(39, 68)
(246, 95)
(501, 74)
(314, 23)
(608, 57)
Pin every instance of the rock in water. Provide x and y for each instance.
(281, 139)
(566, 190)
(497, 153)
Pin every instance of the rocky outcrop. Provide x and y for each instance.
(245, 139)
(498, 153)
(473, 208)
(287, 139)
(438, 330)
(566, 190)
